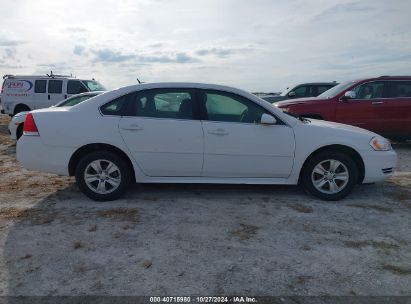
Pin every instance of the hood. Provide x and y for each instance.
(290, 102)
(340, 126)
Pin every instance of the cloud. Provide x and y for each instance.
(342, 8)
(222, 51)
(9, 42)
(79, 50)
(108, 55)
(76, 29)
(10, 52)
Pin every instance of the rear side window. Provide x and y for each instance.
(399, 89)
(114, 107)
(75, 87)
(40, 86)
(164, 103)
(55, 86)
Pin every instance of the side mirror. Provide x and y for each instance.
(349, 95)
(291, 94)
(267, 119)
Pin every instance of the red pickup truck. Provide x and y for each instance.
(381, 104)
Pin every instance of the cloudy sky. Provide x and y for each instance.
(259, 45)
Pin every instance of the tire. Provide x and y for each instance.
(327, 183)
(113, 183)
(21, 108)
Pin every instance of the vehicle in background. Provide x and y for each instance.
(302, 90)
(26, 93)
(16, 124)
(382, 105)
(198, 133)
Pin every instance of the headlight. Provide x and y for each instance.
(380, 144)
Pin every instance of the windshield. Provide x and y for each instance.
(74, 100)
(286, 91)
(93, 85)
(336, 90)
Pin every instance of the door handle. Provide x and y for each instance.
(377, 102)
(48, 96)
(132, 127)
(220, 132)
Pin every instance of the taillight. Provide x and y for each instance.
(30, 127)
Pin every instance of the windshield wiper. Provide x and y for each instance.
(301, 118)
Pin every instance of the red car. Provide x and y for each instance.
(381, 104)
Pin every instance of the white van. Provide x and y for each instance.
(25, 93)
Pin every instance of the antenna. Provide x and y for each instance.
(139, 82)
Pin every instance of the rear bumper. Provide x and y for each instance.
(32, 154)
(379, 165)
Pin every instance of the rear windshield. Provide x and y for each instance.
(72, 101)
(93, 85)
(336, 90)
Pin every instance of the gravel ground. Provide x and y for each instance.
(201, 239)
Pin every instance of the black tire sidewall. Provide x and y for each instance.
(117, 160)
(321, 156)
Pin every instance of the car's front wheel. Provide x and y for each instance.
(103, 176)
(330, 175)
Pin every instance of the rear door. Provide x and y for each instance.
(394, 110)
(364, 111)
(236, 144)
(163, 132)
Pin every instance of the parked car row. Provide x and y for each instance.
(382, 105)
(198, 133)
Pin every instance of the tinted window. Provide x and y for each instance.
(322, 89)
(398, 89)
(164, 103)
(300, 91)
(369, 90)
(222, 106)
(55, 86)
(114, 107)
(40, 86)
(75, 87)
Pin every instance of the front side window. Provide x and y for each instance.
(369, 90)
(55, 86)
(75, 87)
(163, 103)
(40, 86)
(300, 92)
(222, 106)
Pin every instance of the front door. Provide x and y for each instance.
(237, 145)
(364, 110)
(163, 132)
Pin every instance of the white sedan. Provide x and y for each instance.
(17, 122)
(198, 133)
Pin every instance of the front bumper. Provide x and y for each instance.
(379, 165)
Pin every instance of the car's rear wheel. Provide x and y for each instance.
(103, 176)
(330, 175)
(21, 108)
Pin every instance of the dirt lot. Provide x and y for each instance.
(201, 239)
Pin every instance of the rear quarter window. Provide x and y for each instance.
(114, 107)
